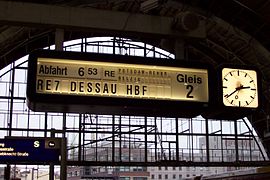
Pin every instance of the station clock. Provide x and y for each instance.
(240, 87)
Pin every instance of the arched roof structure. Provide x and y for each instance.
(229, 31)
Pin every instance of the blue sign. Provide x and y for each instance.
(30, 150)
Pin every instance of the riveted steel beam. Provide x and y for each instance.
(92, 20)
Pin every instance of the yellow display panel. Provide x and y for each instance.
(122, 80)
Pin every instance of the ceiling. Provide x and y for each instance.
(237, 31)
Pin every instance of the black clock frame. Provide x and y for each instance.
(220, 111)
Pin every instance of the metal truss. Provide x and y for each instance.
(113, 140)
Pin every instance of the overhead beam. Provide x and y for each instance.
(92, 20)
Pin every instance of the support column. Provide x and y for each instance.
(7, 172)
(176, 46)
(9, 125)
(63, 169)
(236, 142)
(177, 139)
(145, 138)
(207, 140)
(11, 99)
(179, 49)
(156, 140)
(59, 44)
(51, 169)
(45, 124)
(113, 138)
(80, 138)
(59, 39)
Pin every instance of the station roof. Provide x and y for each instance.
(234, 31)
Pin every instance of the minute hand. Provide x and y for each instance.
(228, 95)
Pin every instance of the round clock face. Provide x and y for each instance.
(240, 88)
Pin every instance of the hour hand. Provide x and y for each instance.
(244, 87)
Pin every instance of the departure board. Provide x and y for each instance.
(116, 84)
(107, 79)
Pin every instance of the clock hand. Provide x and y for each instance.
(243, 87)
(228, 95)
(237, 89)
